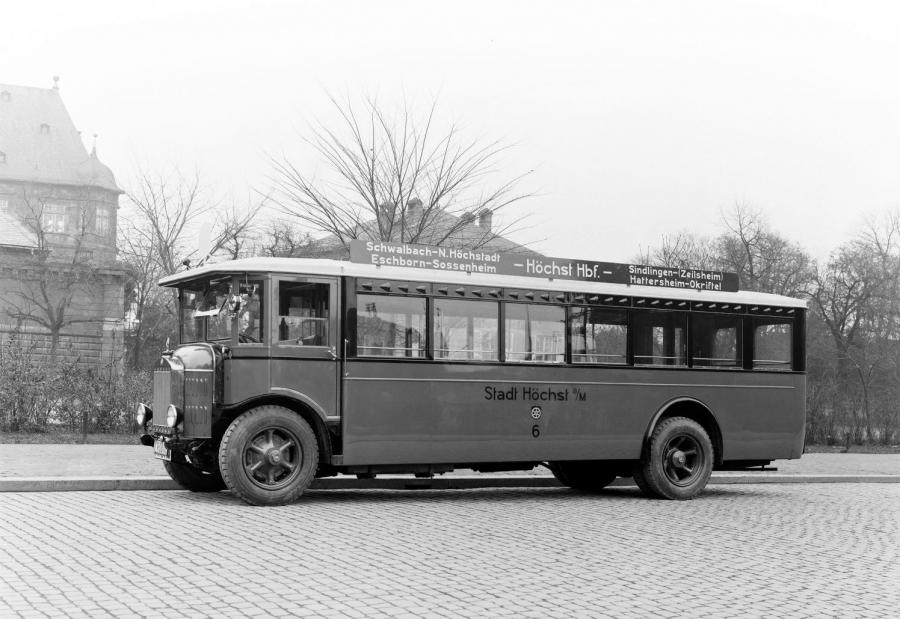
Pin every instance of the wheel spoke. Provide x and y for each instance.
(270, 437)
(287, 445)
(255, 467)
(257, 449)
(690, 452)
(288, 466)
(270, 476)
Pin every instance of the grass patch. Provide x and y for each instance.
(67, 438)
(853, 449)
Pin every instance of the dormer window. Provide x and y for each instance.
(45, 129)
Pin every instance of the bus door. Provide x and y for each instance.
(305, 339)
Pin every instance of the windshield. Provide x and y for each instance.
(210, 308)
(203, 304)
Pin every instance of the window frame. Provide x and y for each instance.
(570, 349)
(694, 330)
(432, 350)
(327, 350)
(565, 335)
(757, 321)
(353, 329)
(635, 313)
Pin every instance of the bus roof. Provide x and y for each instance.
(338, 268)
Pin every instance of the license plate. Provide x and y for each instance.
(161, 451)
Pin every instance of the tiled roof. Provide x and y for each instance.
(14, 234)
(41, 144)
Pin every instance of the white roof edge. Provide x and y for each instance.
(319, 266)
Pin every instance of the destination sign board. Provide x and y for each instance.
(502, 263)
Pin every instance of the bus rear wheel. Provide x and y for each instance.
(680, 460)
(269, 456)
(193, 479)
(586, 476)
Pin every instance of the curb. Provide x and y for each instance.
(84, 484)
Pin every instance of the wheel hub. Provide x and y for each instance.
(273, 457)
(679, 459)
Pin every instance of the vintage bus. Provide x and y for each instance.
(288, 369)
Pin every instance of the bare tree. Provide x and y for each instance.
(163, 213)
(62, 277)
(763, 259)
(283, 239)
(856, 295)
(683, 250)
(397, 179)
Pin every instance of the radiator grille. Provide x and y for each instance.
(198, 399)
(162, 395)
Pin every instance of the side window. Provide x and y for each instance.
(598, 335)
(250, 315)
(772, 344)
(715, 341)
(466, 329)
(659, 338)
(303, 314)
(535, 333)
(390, 326)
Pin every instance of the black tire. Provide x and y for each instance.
(191, 478)
(586, 476)
(641, 482)
(269, 456)
(679, 463)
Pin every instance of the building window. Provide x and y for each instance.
(45, 129)
(53, 218)
(5, 96)
(2, 157)
(102, 221)
(4, 205)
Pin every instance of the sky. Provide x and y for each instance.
(631, 120)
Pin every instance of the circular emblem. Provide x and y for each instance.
(536, 412)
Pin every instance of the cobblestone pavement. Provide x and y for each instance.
(810, 550)
(20, 460)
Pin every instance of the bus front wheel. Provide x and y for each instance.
(268, 456)
(680, 460)
(586, 476)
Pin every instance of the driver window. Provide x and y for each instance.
(303, 313)
(250, 316)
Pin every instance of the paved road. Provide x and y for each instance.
(738, 551)
(19, 460)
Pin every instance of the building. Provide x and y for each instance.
(427, 226)
(60, 282)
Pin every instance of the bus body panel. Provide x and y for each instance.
(311, 381)
(404, 413)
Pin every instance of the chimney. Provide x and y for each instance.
(484, 219)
